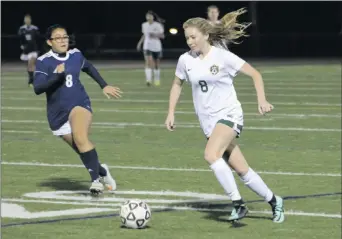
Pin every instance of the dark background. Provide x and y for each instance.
(112, 29)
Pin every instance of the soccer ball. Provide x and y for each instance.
(135, 214)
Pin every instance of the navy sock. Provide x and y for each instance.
(91, 162)
(30, 73)
(102, 170)
(273, 201)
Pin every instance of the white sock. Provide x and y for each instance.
(226, 178)
(156, 73)
(148, 74)
(254, 182)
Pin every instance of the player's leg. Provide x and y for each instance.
(65, 133)
(156, 67)
(70, 141)
(148, 68)
(24, 57)
(80, 120)
(32, 56)
(219, 140)
(254, 182)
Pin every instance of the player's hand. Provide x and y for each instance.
(60, 68)
(22, 47)
(170, 121)
(111, 91)
(265, 107)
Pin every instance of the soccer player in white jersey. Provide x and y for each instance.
(210, 71)
(153, 32)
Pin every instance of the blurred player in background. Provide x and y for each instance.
(153, 32)
(69, 110)
(210, 71)
(29, 35)
(213, 13)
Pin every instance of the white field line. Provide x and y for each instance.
(20, 131)
(115, 207)
(4, 92)
(166, 101)
(273, 80)
(277, 115)
(184, 125)
(245, 87)
(37, 164)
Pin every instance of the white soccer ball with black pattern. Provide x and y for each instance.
(135, 214)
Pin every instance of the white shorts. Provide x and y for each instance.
(63, 130)
(29, 56)
(208, 122)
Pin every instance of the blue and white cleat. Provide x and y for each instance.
(96, 188)
(278, 210)
(240, 210)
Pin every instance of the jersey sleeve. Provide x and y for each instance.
(180, 68)
(41, 68)
(233, 63)
(90, 70)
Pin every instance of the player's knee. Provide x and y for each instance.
(211, 156)
(151, 64)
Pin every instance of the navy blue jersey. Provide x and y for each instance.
(68, 91)
(28, 38)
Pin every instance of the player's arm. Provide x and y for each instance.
(177, 84)
(93, 73)
(142, 38)
(175, 92)
(43, 82)
(250, 71)
(21, 38)
(263, 105)
(236, 64)
(161, 34)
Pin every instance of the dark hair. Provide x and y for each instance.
(156, 17)
(50, 30)
(27, 15)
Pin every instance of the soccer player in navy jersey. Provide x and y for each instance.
(69, 110)
(29, 35)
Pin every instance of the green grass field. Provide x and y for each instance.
(296, 149)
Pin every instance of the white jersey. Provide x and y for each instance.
(211, 80)
(152, 44)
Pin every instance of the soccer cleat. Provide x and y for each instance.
(96, 188)
(240, 210)
(278, 210)
(157, 82)
(148, 83)
(108, 180)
